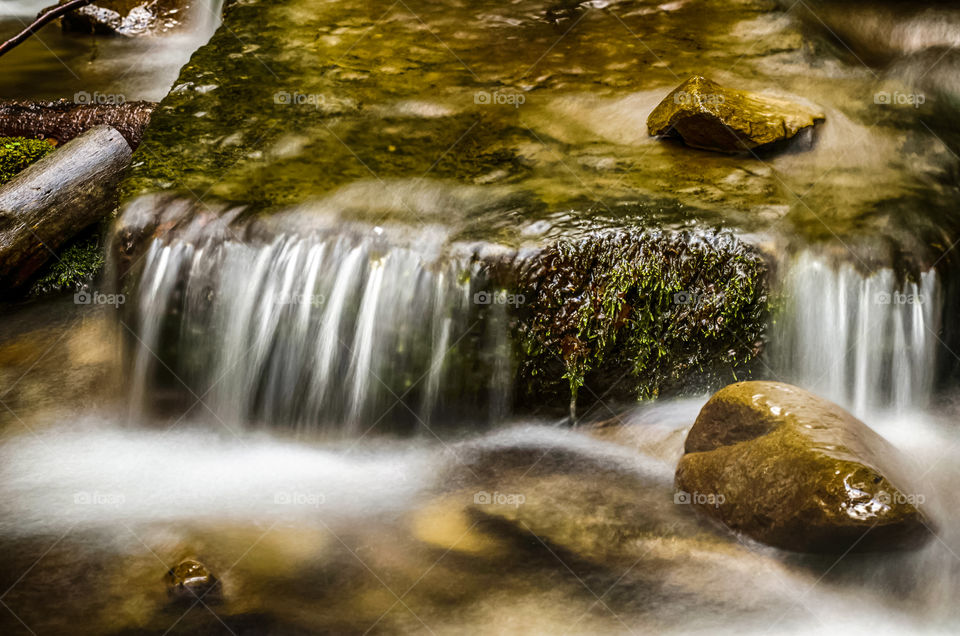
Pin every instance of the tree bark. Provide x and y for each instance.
(57, 197)
(65, 120)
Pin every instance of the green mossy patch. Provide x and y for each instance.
(16, 153)
(78, 263)
(633, 314)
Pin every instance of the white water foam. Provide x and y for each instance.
(307, 331)
(864, 341)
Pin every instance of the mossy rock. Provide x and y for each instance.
(125, 17)
(712, 117)
(797, 472)
(632, 315)
(16, 153)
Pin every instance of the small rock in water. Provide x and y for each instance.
(190, 580)
(712, 117)
(124, 17)
(797, 472)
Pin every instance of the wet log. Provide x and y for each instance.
(64, 120)
(57, 197)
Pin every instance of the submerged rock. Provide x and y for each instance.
(795, 471)
(124, 17)
(712, 117)
(190, 580)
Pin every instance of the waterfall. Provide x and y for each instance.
(865, 341)
(338, 332)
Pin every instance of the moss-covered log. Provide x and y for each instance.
(56, 198)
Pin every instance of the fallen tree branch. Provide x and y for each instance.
(57, 197)
(64, 120)
(42, 19)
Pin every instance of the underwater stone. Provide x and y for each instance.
(712, 117)
(125, 17)
(190, 580)
(798, 472)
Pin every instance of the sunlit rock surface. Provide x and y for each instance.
(713, 117)
(795, 471)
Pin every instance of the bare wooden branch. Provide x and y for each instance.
(48, 16)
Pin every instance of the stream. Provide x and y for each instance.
(308, 364)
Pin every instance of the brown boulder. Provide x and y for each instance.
(795, 471)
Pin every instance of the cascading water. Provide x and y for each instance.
(339, 330)
(865, 341)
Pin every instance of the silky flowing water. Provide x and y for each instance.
(310, 388)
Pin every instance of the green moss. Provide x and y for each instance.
(16, 153)
(638, 313)
(76, 264)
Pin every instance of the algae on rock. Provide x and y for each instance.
(633, 314)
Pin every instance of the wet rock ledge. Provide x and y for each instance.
(613, 314)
